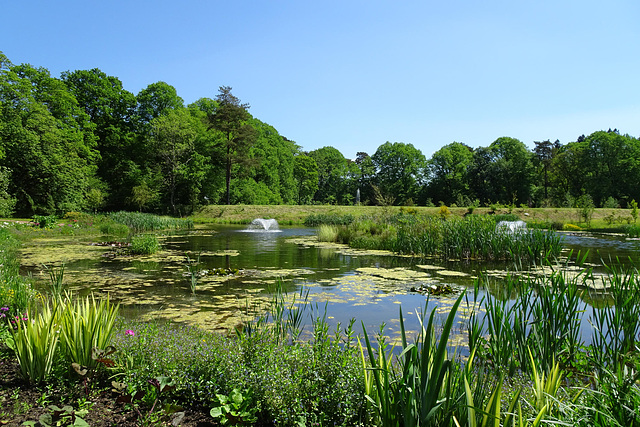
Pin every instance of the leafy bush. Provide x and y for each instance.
(145, 244)
(45, 221)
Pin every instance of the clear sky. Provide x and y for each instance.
(355, 74)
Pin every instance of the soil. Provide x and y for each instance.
(20, 402)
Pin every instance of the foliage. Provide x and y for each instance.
(400, 170)
(230, 119)
(193, 268)
(419, 394)
(144, 244)
(85, 324)
(140, 222)
(34, 341)
(56, 280)
(327, 233)
(315, 220)
(292, 381)
(332, 170)
(45, 221)
(237, 409)
(585, 208)
(65, 416)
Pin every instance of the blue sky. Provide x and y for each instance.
(355, 74)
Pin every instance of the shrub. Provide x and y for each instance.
(571, 227)
(45, 221)
(444, 212)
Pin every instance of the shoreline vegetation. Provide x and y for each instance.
(68, 361)
(597, 219)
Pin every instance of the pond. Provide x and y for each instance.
(370, 286)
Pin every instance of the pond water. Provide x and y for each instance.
(370, 286)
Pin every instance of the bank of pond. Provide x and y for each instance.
(518, 334)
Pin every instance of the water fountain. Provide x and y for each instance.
(261, 224)
(511, 226)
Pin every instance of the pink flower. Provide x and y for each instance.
(129, 332)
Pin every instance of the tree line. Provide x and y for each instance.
(83, 142)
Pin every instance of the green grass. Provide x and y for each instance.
(141, 222)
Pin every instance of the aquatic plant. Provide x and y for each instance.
(327, 233)
(419, 392)
(193, 269)
(617, 326)
(144, 244)
(473, 237)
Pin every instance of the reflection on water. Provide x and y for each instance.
(371, 287)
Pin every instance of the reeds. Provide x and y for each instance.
(474, 237)
(418, 393)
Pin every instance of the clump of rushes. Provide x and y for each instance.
(327, 233)
(144, 244)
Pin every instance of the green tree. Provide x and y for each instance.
(613, 164)
(332, 171)
(173, 135)
(544, 153)
(366, 177)
(155, 100)
(513, 170)
(112, 110)
(231, 119)
(305, 172)
(48, 141)
(143, 195)
(400, 170)
(448, 168)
